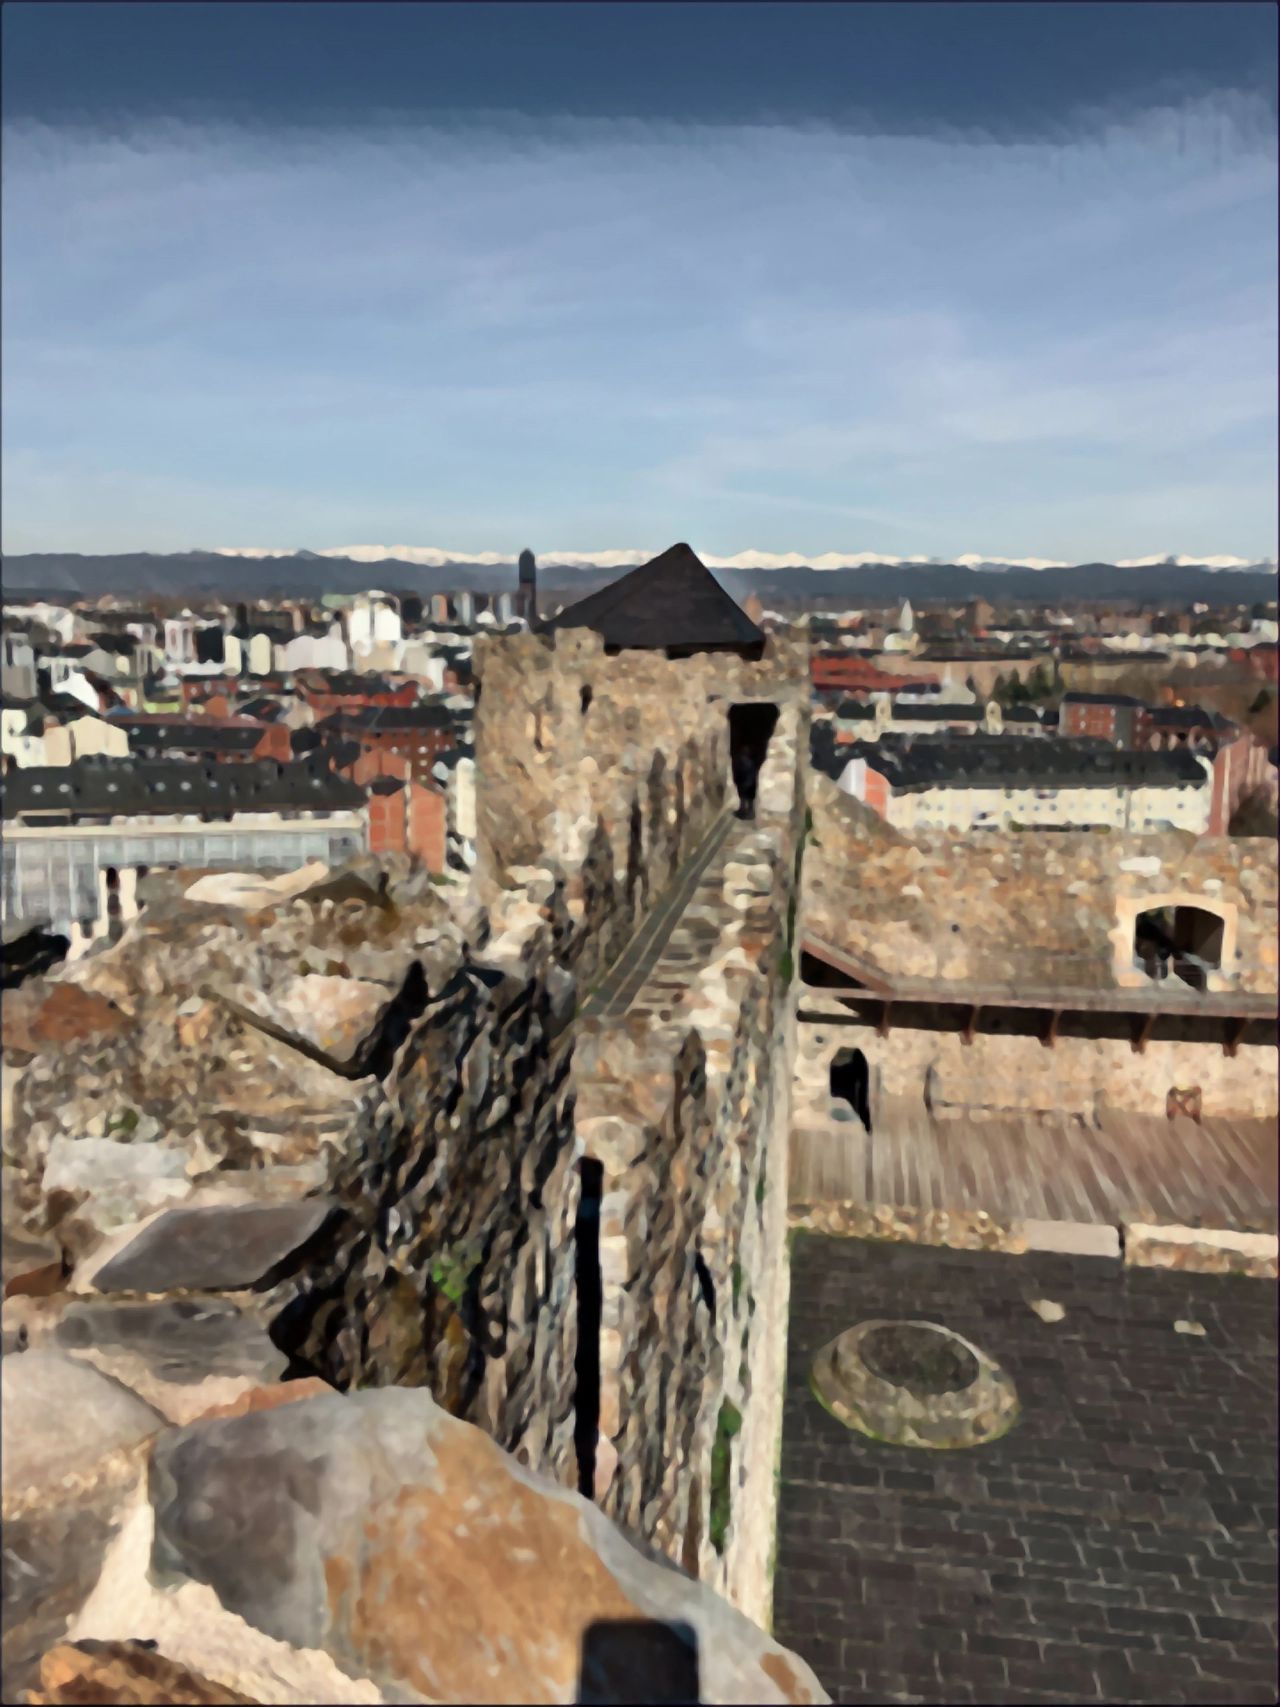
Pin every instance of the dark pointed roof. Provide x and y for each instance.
(674, 601)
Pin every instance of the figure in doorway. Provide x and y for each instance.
(746, 773)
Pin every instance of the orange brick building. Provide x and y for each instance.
(408, 817)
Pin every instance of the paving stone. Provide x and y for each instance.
(1128, 1570)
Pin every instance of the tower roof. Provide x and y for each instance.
(672, 601)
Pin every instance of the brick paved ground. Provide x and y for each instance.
(1118, 1545)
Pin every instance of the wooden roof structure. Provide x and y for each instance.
(673, 604)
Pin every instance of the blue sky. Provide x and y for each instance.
(912, 279)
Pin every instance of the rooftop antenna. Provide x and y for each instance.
(528, 594)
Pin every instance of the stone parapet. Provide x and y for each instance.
(684, 1104)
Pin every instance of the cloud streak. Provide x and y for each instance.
(755, 337)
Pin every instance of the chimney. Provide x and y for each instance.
(528, 597)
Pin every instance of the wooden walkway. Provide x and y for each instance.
(622, 983)
(1129, 1167)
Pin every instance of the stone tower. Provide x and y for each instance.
(527, 603)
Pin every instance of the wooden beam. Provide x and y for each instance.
(1050, 1037)
(970, 1025)
(1138, 1043)
(882, 1030)
(866, 976)
(1235, 1032)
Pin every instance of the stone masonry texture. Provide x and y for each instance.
(1118, 1545)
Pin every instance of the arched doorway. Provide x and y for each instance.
(750, 728)
(850, 1081)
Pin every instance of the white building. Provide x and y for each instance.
(327, 651)
(180, 639)
(1034, 785)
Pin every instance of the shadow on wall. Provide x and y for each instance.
(638, 1660)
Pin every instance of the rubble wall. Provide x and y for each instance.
(357, 1043)
(452, 1267)
(607, 770)
(1077, 1076)
(684, 1105)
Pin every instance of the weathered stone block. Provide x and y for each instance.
(406, 1546)
(212, 1249)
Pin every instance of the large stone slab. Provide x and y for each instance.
(212, 1249)
(183, 1356)
(73, 1445)
(405, 1545)
(190, 1627)
(52, 1558)
(59, 1419)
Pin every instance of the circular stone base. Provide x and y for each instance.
(914, 1384)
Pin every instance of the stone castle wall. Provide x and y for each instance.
(1079, 1075)
(684, 1106)
(451, 1265)
(607, 770)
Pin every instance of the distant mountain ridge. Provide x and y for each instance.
(303, 574)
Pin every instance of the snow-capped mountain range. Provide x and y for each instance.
(837, 580)
(436, 557)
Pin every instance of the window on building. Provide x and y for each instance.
(1186, 941)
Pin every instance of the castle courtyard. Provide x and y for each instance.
(1117, 1544)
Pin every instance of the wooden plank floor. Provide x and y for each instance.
(1057, 1167)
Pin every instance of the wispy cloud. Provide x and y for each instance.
(753, 337)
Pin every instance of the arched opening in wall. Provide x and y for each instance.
(750, 729)
(115, 919)
(850, 1081)
(706, 1286)
(1186, 941)
(590, 1298)
(585, 696)
(635, 849)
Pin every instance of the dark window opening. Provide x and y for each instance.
(115, 914)
(586, 1399)
(819, 975)
(850, 1082)
(584, 698)
(706, 1285)
(1186, 941)
(635, 850)
(750, 730)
